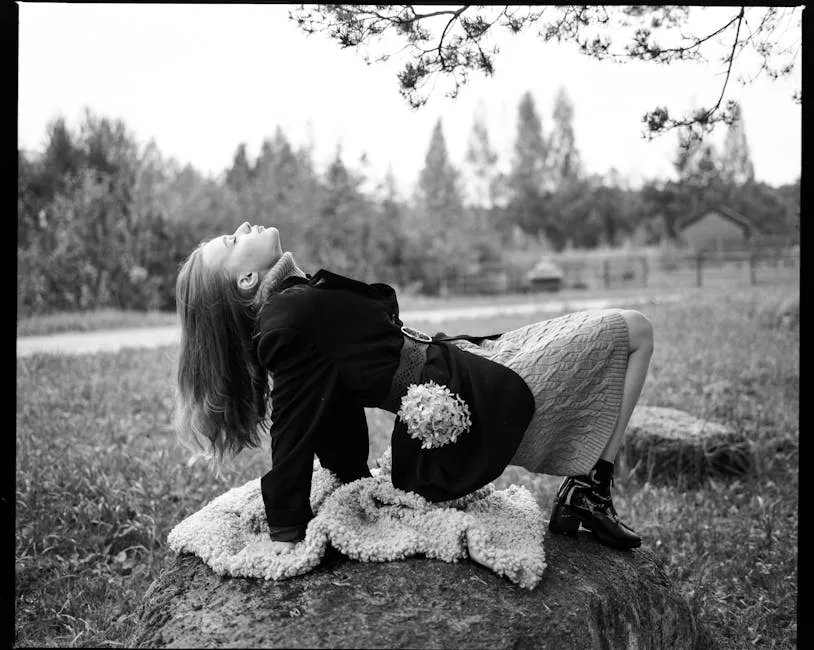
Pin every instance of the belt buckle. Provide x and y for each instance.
(416, 335)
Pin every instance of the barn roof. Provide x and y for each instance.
(728, 213)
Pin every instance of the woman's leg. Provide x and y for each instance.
(640, 348)
(586, 500)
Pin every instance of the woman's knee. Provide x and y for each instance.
(640, 330)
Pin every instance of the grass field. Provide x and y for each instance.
(100, 480)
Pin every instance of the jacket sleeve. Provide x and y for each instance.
(304, 381)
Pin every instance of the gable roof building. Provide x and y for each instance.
(717, 228)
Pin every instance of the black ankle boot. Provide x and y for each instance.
(586, 500)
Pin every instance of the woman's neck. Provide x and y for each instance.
(283, 268)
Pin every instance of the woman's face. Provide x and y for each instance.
(246, 250)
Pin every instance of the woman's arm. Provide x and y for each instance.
(304, 381)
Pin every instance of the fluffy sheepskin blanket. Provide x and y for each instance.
(371, 521)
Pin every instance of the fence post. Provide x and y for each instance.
(645, 270)
(606, 272)
(699, 264)
(752, 260)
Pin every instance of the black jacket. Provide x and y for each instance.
(331, 345)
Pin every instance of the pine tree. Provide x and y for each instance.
(277, 167)
(564, 159)
(152, 178)
(438, 184)
(201, 207)
(529, 166)
(529, 180)
(481, 158)
(41, 178)
(341, 237)
(90, 223)
(109, 149)
(736, 163)
(697, 163)
(698, 166)
(239, 174)
(438, 227)
(566, 211)
(63, 158)
(279, 183)
(388, 239)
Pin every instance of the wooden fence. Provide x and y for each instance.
(668, 269)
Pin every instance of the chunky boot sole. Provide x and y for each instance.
(565, 520)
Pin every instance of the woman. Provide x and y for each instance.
(266, 346)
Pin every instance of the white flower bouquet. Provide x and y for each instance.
(434, 415)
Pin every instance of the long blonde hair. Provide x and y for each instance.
(222, 389)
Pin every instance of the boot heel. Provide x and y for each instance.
(563, 521)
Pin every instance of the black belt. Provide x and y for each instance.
(412, 360)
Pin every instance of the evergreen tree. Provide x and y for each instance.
(103, 220)
(438, 184)
(564, 160)
(698, 165)
(706, 172)
(30, 199)
(341, 238)
(388, 250)
(566, 209)
(109, 148)
(54, 172)
(665, 203)
(529, 166)
(736, 162)
(696, 162)
(699, 185)
(481, 158)
(102, 206)
(439, 226)
(63, 158)
(152, 178)
(239, 174)
(277, 167)
(199, 207)
(284, 188)
(529, 180)
(764, 206)
(152, 251)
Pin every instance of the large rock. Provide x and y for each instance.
(668, 445)
(590, 597)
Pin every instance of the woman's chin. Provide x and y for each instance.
(273, 236)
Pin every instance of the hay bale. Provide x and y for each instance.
(590, 597)
(666, 445)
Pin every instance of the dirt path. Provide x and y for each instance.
(153, 337)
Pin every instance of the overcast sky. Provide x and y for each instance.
(200, 79)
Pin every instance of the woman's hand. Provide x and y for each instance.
(478, 557)
(281, 547)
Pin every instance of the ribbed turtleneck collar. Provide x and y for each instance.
(283, 268)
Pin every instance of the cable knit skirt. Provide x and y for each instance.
(575, 366)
